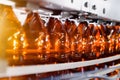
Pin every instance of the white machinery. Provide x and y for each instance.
(103, 8)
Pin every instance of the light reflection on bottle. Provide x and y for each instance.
(40, 41)
(111, 41)
(17, 41)
(48, 44)
(24, 41)
(117, 40)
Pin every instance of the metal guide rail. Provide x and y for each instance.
(35, 69)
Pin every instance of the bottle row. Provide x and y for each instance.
(58, 41)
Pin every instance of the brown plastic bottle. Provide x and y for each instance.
(9, 24)
(71, 29)
(59, 40)
(32, 26)
(83, 39)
